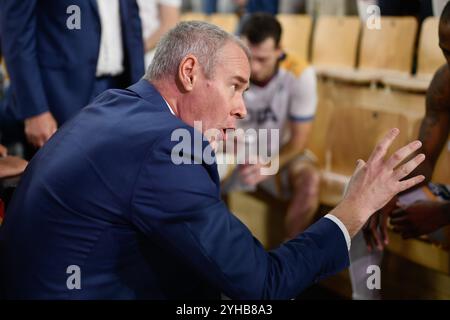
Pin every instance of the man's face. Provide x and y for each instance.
(218, 102)
(265, 57)
(444, 40)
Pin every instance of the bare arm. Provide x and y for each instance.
(303, 102)
(11, 166)
(435, 126)
(302, 109)
(168, 16)
(299, 137)
(433, 134)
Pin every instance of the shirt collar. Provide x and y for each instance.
(168, 106)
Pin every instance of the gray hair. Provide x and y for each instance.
(201, 39)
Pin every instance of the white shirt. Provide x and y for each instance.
(342, 227)
(110, 58)
(168, 106)
(149, 13)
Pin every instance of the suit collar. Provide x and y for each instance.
(148, 92)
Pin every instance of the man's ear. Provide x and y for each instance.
(279, 52)
(187, 72)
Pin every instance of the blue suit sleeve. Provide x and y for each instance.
(18, 28)
(180, 207)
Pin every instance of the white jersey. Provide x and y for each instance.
(149, 13)
(150, 18)
(290, 96)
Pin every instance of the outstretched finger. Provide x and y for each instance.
(382, 147)
(359, 164)
(401, 154)
(407, 184)
(404, 170)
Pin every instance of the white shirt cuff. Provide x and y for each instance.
(342, 227)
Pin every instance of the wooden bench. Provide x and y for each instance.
(193, 16)
(384, 52)
(296, 33)
(335, 43)
(228, 22)
(429, 59)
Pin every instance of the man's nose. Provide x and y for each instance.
(240, 111)
(255, 67)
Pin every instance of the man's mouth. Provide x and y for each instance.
(224, 133)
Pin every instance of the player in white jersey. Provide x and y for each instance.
(282, 96)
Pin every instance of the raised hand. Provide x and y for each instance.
(376, 182)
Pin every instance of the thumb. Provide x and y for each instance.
(359, 164)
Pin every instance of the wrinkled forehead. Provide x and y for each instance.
(233, 61)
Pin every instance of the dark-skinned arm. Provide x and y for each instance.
(433, 133)
(435, 126)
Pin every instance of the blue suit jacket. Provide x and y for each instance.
(104, 195)
(53, 68)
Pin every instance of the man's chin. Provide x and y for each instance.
(214, 145)
(218, 138)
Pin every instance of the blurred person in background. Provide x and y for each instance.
(421, 210)
(10, 166)
(282, 96)
(219, 6)
(292, 6)
(438, 7)
(158, 17)
(61, 54)
(78, 228)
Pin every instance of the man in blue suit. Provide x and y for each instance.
(62, 53)
(106, 209)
